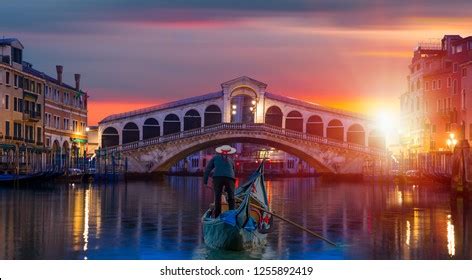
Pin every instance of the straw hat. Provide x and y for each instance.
(225, 150)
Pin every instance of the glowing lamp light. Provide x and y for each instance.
(87, 129)
(451, 141)
(253, 102)
(234, 106)
(251, 109)
(233, 112)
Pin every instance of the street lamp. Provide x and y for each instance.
(451, 141)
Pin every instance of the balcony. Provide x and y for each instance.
(31, 116)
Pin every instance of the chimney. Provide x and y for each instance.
(77, 81)
(59, 69)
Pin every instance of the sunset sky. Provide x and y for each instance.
(137, 53)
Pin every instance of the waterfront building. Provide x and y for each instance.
(40, 114)
(436, 109)
(65, 121)
(446, 90)
(21, 112)
(414, 103)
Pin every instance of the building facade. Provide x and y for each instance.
(21, 113)
(44, 119)
(437, 108)
(446, 89)
(65, 121)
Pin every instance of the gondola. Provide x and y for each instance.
(6, 179)
(245, 227)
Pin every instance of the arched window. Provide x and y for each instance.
(294, 121)
(314, 126)
(110, 137)
(192, 120)
(212, 115)
(151, 128)
(130, 133)
(356, 134)
(171, 124)
(274, 116)
(335, 130)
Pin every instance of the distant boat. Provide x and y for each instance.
(245, 227)
(12, 178)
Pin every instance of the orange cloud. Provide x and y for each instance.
(98, 110)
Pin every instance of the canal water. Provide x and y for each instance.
(160, 219)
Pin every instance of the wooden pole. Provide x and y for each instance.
(291, 222)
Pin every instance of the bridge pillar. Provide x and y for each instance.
(226, 108)
(260, 108)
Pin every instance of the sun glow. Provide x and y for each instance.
(388, 122)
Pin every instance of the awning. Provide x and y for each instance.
(7, 146)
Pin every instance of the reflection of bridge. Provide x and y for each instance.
(331, 140)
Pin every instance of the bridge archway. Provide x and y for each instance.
(192, 120)
(110, 137)
(174, 155)
(356, 134)
(130, 133)
(294, 121)
(274, 116)
(212, 115)
(171, 124)
(335, 130)
(315, 126)
(243, 101)
(151, 128)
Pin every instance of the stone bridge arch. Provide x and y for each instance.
(325, 158)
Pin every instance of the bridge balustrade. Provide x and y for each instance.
(242, 126)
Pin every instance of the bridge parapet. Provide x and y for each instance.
(259, 127)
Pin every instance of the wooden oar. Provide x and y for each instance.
(291, 222)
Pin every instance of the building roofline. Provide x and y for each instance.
(9, 41)
(39, 74)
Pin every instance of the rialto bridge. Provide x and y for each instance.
(153, 139)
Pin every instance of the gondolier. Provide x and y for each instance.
(223, 176)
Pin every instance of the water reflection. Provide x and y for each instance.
(161, 220)
(451, 245)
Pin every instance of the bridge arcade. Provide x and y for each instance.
(242, 100)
